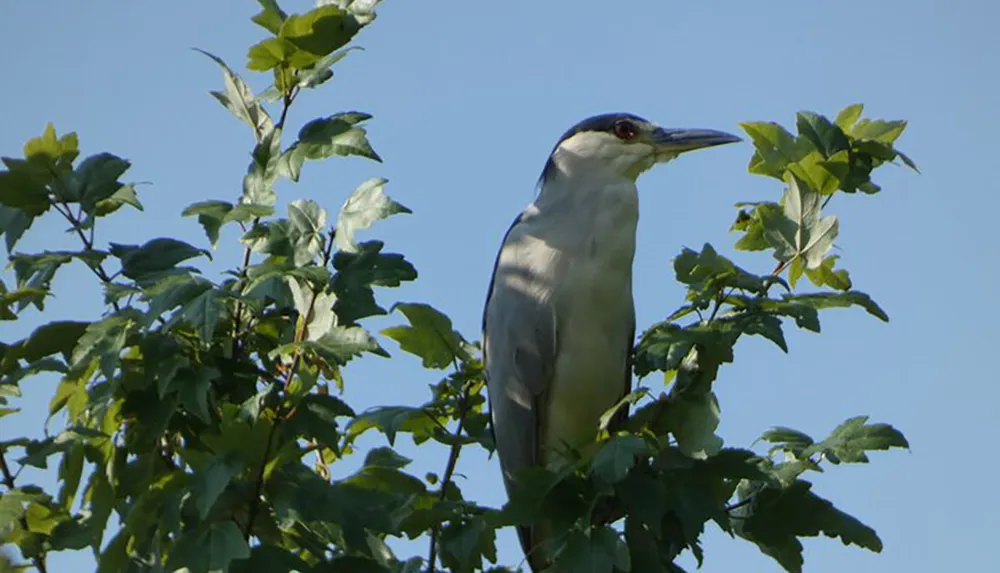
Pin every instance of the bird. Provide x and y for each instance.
(559, 318)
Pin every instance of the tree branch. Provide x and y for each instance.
(449, 471)
(247, 250)
(8, 480)
(88, 244)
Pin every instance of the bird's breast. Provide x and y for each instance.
(596, 315)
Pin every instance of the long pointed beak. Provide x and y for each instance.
(675, 141)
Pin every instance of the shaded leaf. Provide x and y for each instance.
(13, 224)
(209, 547)
(780, 516)
(616, 457)
(429, 336)
(358, 271)
(155, 256)
(391, 420)
(319, 31)
(839, 300)
(327, 137)
(96, 179)
(851, 439)
(208, 483)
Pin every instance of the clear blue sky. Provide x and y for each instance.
(468, 98)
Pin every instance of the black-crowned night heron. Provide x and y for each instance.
(559, 320)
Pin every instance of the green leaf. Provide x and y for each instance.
(463, 544)
(386, 457)
(52, 152)
(96, 179)
(826, 137)
(103, 341)
(751, 224)
(878, 130)
(319, 31)
(274, 52)
(327, 137)
(270, 559)
(391, 420)
(587, 553)
(764, 325)
(805, 316)
(203, 312)
(780, 516)
(238, 97)
(851, 439)
(799, 232)
(55, 337)
(307, 221)
(839, 300)
(358, 271)
(263, 171)
(429, 336)
(208, 483)
(788, 439)
(125, 195)
(338, 346)
(775, 148)
(156, 255)
(820, 173)
(849, 116)
(826, 275)
(35, 272)
(270, 17)
(19, 190)
(316, 418)
(693, 420)
(172, 291)
(320, 72)
(616, 457)
(708, 272)
(13, 224)
(212, 215)
(209, 547)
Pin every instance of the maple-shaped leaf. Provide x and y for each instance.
(798, 231)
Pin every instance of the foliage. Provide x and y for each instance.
(190, 405)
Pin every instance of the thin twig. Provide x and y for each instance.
(259, 482)
(248, 250)
(300, 334)
(8, 480)
(88, 246)
(449, 472)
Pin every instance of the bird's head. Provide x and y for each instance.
(624, 145)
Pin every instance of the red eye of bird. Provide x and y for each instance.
(624, 130)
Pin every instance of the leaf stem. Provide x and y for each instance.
(88, 244)
(8, 480)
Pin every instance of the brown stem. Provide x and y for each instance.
(449, 472)
(88, 245)
(289, 376)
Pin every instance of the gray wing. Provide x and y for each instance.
(519, 345)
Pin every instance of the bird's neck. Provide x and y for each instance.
(594, 213)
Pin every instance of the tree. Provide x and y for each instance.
(193, 403)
